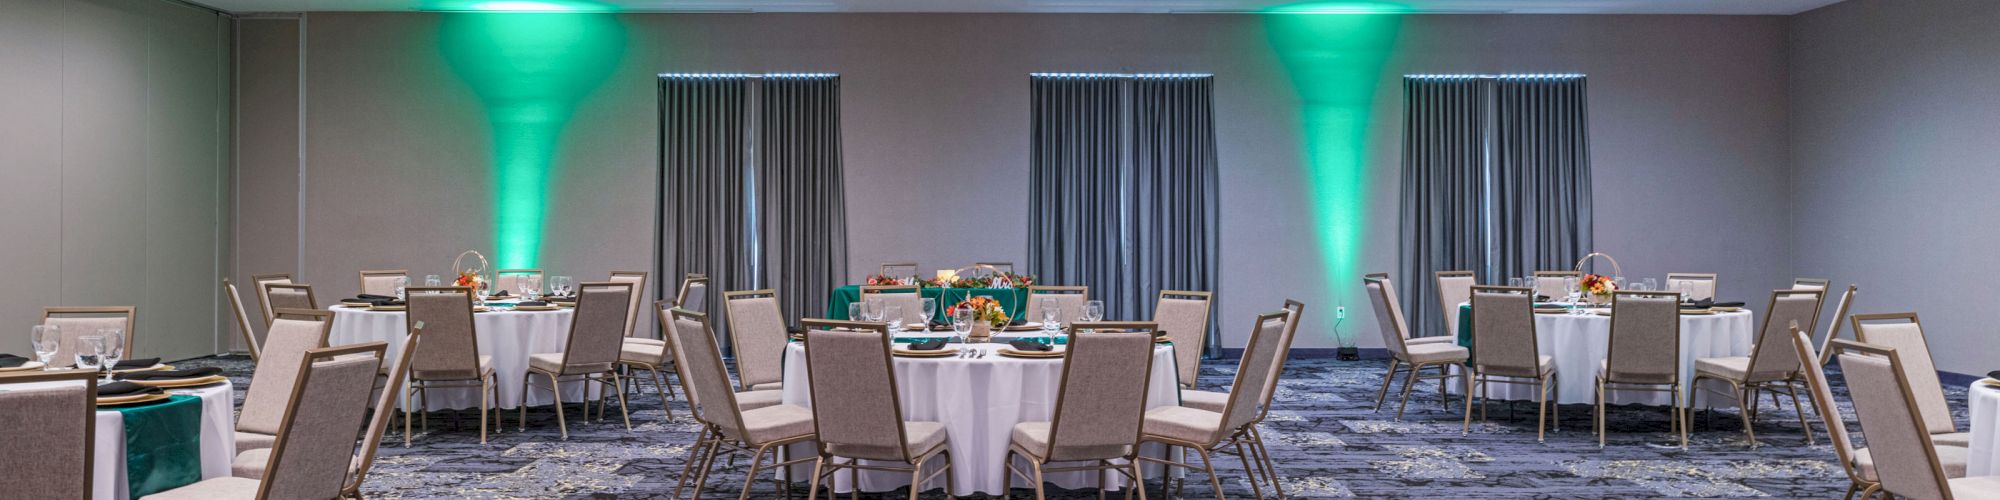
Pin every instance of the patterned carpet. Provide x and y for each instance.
(1326, 440)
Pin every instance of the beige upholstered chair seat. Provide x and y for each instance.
(1437, 352)
(774, 423)
(1183, 423)
(632, 352)
(768, 386)
(1434, 339)
(922, 436)
(1663, 378)
(1034, 437)
(632, 341)
(1959, 439)
(1732, 368)
(1204, 400)
(250, 464)
(485, 368)
(751, 400)
(553, 363)
(211, 489)
(1975, 488)
(246, 441)
(1953, 458)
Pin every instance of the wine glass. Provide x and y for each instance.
(894, 314)
(961, 323)
(47, 340)
(930, 309)
(402, 282)
(1050, 314)
(559, 285)
(1618, 282)
(111, 350)
(1093, 310)
(1575, 291)
(87, 352)
(526, 286)
(1514, 282)
(1652, 284)
(433, 280)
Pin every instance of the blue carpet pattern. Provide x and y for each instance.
(1327, 441)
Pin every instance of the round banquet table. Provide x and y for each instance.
(1579, 343)
(979, 401)
(1982, 401)
(508, 336)
(218, 439)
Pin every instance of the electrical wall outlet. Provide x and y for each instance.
(1340, 312)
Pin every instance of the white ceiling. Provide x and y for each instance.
(1729, 7)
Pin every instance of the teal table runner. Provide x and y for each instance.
(1010, 299)
(162, 445)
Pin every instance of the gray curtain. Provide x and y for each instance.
(702, 215)
(1445, 122)
(1541, 169)
(1123, 186)
(802, 207)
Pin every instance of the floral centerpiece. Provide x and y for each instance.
(984, 310)
(1011, 280)
(880, 280)
(1599, 287)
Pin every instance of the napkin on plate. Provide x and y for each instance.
(1029, 345)
(532, 303)
(502, 293)
(127, 364)
(372, 299)
(116, 389)
(1995, 374)
(206, 371)
(1704, 304)
(10, 361)
(928, 345)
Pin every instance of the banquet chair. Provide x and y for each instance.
(590, 353)
(908, 298)
(1839, 317)
(1394, 329)
(641, 353)
(898, 270)
(1183, 319)
(53, 432)
(758, 337)
(1811, 283)
(242, 318)
(290, 296)
(745, 400)
(1910, 465)
(1550, 283)
(1902, 332)
(1505, 344)
(79, 322)
(1859, 464)
(295, 332)
(1069, 298)
(728, 427)
(1700, 286)
(383, 281)
(314, 448)
(1100, 410)
(449, 356)
(251, 464)
(512, 280)
(857, 410)
(1210, 432)
(1772, 364)
(257, 284)
(1218, 401)
(1644, 354)
(1454, 288)
(638, 299)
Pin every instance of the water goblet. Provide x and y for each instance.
(1514, 282)
(1652, 284)
(433, 280)
(961, 324)
(854, 311)
(87, 352)
(402, 282)
(1093, 310)
(111, 350)
(47, 340)
(930, 309)
(894, 314)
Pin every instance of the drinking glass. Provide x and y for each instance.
(854, 311)
(402, 282)
(47, 340)
(111, 350)
(961, 324)
(1093, 310)
(559, 285)
(87, 352)
(893, 313)
(1514, 282)
(1652, 284)
(1049, 315)
(930, 309)
(433, 280)
(1575, 292)
(1618, 282)
(526, 286)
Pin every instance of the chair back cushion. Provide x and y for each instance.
(450, 346)
(694, 296)
(1186, 322)
(634, 303)
(714, 402)
(271, 383)
(49, 429)
(1697, 288)
(854, 393)
(1258, 371)
(77, 327)
(290, 296)
(1773, 357)
(1070, 302)
(597, 333)
(1904, 460)
(1822, 397)
(1452, 291)
(1907, 338)
(1503, 334)
(758, 330)
(311, 456)
(1102, 401)
(1388, 315)
(384, 284)
(1645, 339)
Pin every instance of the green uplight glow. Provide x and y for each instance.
(1334, 63)
(530, 71)
(527, 6)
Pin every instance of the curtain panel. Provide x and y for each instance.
(1541, 170)
(703, 217)
(1445, 121)
(801, 201)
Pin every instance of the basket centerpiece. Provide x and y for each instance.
(1597, 288)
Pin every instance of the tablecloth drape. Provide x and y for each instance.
(1982, 401)
(509, 336)
(1010, 298)
(1580, 342)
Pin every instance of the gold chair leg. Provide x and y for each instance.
(694, 455)
(1541, 410)
(1471, 384)
(707, 463)
(812, 488)
(1007, 475)
(409, 401)
(1264, 455)
(1040, 494)
(1251, 470)
(750, 478)
(1209, 465)
(1680, 416)
(1743, 398)
(666, 399)
(621, 402)
(1803, 424)
(484, 382)
(1383, 394)
(527, 386)
(1408, 383)
(1598, 420)
(562, 420)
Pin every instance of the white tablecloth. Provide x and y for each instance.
(1580, 342)
(979, 401)
(218, 439)
(1983, 402)
(509, 336)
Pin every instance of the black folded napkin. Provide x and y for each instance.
(1018, 322)
(10, 361)
(502, 293)
(1707, 303)
(560, 299)
(928, 345)
(1029, 345)
(172, 374)
(1995, 374)
(370, 296)
(373, 300)
(532, 303)
(116, 389)
(1542, 298)
(127, 364)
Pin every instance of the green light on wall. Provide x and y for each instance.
(530, 70)
(1335, 63)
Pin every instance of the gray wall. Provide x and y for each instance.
(1688, 139)
(114, 150)
(1893, 154)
